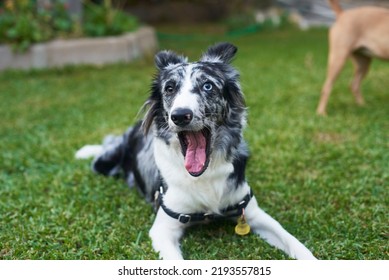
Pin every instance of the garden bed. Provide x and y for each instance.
(94, 51)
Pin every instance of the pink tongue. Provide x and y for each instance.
(195, 154)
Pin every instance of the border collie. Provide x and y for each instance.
(188, 154)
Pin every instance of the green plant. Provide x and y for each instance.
(22, 23)
(104, 20)
(58, 17)
(19, 25)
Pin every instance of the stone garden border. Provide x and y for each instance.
(93, 51)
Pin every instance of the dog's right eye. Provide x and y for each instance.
(169, 89)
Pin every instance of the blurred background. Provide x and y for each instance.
(24, 22)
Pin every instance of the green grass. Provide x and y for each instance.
(325, 179)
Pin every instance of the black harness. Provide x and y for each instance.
(229, 212)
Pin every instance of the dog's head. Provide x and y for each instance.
(198, 103)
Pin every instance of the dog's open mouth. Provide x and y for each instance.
(195, 148)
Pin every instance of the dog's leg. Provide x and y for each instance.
(361, 67)
(271, 231)
(165, 234)
(339, 50)
(89, 151)
(107, 157)
(335, 64)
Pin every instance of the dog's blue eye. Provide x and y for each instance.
(207, 86)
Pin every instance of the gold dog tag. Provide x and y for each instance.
(242, 228)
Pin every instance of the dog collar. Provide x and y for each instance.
(231, 211)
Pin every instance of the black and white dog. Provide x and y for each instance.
(189, 155)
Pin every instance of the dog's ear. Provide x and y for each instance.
(152, 107)
(222, 52)
(150, 114)
(166, 58)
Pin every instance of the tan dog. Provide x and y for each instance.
(360, 33)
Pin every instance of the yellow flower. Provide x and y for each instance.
(9, 5)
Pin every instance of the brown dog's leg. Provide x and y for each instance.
(361, 67)
(336, 60)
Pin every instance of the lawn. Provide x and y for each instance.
(325, 179)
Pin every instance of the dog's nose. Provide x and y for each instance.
(182, 116)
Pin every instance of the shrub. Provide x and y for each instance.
(103, 20)
(23, 24)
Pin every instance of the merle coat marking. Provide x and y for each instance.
(191, 139)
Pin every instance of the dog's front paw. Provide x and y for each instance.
(304, 254)
(165, 237)
(170, 256)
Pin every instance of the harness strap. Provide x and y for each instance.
(237, 210)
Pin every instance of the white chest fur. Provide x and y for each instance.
(187, 194)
